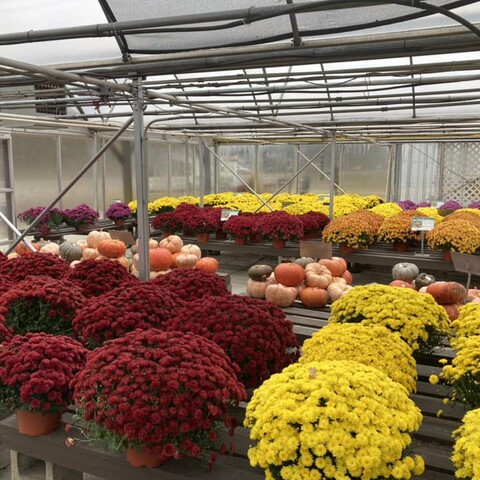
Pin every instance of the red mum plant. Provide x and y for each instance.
(96, 277)
(167, 393)
(200, 220)
(255, 336)
(6, 334)
(114, 314)
(37, 264)
(166, 222)
(41, 304)
(3, 257)
(280, 226)
(184, 212)
(36, 371)
(240, 225)
(313, 222)
(192, 284)
(6, 283)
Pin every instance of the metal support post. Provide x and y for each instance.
(141, 179)
(332, 174)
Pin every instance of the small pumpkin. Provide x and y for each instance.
(453, 310)
(209, 264)
(304, 261)
(22, 249)
(405, 271)
(111, 248)
(50, 247)
(90, 253)
(280, 295)
(348, 277)
(152, 243)
(337, 290)
(289, 274)
(314, 297)
(70, 251)
(95, 237)
(317, 275)
(401, 284)
(173, 243)
(259, 272)
(446, 293)
(160, 259)
(257, 288)
(423, 280)
(123, 261)
(472, 294)
(192, 249)
(186, 260)
(336, 265)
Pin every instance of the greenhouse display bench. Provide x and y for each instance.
(378, 254)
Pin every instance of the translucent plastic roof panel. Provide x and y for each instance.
(221, 23)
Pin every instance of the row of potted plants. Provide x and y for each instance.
(81, 217)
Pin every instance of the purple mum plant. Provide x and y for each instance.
(81, 216)
(118, 211)
(51, 220)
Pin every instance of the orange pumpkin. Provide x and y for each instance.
(208, 264)
(95, 237)
(453, 310)
(281, 295)
(336, 266)
(289, 274)
(348, 277)
(446, 293)
(317, 275)
(314, 297)
(401, 284)
(160, 259)
(22, 249)
(173, 243)
(186, 260)
(111, 248)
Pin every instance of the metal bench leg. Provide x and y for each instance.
(56, 472)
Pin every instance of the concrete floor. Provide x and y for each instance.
(236, 266)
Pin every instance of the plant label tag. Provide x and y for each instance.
(226, 214)
(422, 224)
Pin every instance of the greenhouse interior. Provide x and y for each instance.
(282, 196)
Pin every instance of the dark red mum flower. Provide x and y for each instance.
(37, 264)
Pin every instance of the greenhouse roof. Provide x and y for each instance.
(274, 70)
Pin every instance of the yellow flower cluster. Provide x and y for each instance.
(188, 199)
(163, 204)
(356, 229)
(463, 214)
(467, 324)
(332, 419)
(372, 345)
(399, 228)
(431, 212)
(387, 210)
(223, 199)
(346, 204)
(466, 454)
(133, 206)
(421, 322)
(455, 234)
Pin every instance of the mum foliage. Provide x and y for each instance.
(37, 264)
(41, 304)
(118, 211)
(5, 283)
(192, 284)
(36, 371)
(466, 454)
(280, 226)
(96, 277)
(80, 216)
(259, 339)
(332, 419)
(167, 222)
(168, 392)
(457, 234)
(313, 222)
(372, 345)
(114, 314)
(398, 228)
(52, 219)
(240, 225)
(420, 321)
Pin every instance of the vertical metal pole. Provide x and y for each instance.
(141, 183)
(332, 173)
(169, 169)
(58, 155)
(93, 149)
(297, 166)
(201, 157)
(441, 171)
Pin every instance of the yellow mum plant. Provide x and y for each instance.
(355, 230)
(372, 345)
(466, 454)
(222, 199)
(163, 204)
(457, 234)
(468, 322)
(420, 321)
(431, 212)
(188, 199)
(387, 210)
(332, 419)
(398, 228)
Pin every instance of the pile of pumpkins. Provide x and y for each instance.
(164, 255)
(314, 283)
(450, 295)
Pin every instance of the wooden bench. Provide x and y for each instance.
(433, 441)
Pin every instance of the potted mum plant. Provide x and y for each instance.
(280, 227)
(397, 230)
(118, 212)
(81, 217)
(240, 227)
(327, 418)
(159, 395)
(50, 221)
(35, 375)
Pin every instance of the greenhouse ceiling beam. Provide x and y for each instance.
(247, 15)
